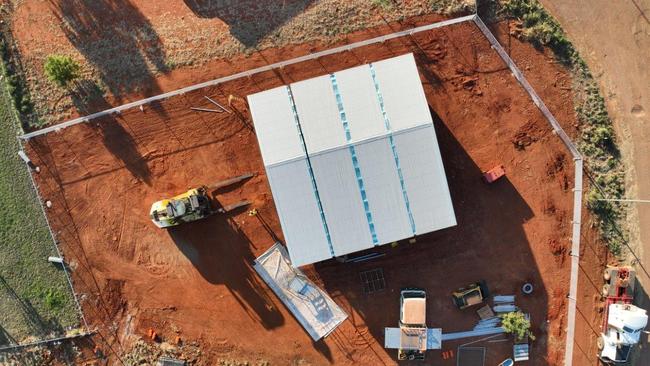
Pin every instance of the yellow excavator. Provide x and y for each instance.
(195, 204)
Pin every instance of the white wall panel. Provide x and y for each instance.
(384, 191)
(341, 200)
(319, 114)
(404, 99)
(361, 104)
(275, 126)
(425, 180)
(298, 211)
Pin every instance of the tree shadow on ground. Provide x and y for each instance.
(39, 326)
(6, 338)
(221, 253)
(117, 40)
(249, 20)
(488, 243)
(87, 97)
(124, 147)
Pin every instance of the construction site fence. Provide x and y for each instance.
(248, 73)
(557, 129)
(16, 122)
(45, 342)
(577, 190)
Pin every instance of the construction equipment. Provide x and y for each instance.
(473, 294)
(412, 339)
(623, 322)
(195, 204)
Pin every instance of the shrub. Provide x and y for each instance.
(516, 323)
(61, 69)
(54, 299)
(541, 29)
(386, 4)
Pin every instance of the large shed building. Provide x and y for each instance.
(352, 160)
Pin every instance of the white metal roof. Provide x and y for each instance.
(352, 159)
(277, 131)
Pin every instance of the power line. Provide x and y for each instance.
(622, 200)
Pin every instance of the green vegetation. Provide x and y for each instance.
(14, 83)
(386, 4)
(516, 323)
(35, 299)
(597, 141)
(61, 70)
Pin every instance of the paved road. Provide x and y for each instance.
(614, 39)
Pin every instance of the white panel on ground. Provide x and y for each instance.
(434, 338)
(318, 113)
(392, 338)
(384, 191)
(308, 240)
(275, 126)
(341, 200)
(404, 99)
(361, 104)
(311, 306)
(425, 180)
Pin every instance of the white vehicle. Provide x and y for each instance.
(624, 327)
(624, 322)
(412, 339)
(412, 323)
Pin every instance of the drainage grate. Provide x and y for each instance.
(471, 356)
(373, 280)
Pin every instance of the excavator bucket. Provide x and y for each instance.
(227, 182)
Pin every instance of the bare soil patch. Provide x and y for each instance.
(196, 281)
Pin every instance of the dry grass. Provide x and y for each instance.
(125, 58)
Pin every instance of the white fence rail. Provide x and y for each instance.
(247, 73)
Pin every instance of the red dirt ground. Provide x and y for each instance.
(197, 282)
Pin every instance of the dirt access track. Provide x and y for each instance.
(196, 281)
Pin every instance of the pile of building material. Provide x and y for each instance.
(489, 323)
(504, 304)
(311, 306)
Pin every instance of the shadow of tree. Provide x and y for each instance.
(249, 20)
(116, 39)
(87, 97)
(39, 326)
(6, 338)
(221, 252)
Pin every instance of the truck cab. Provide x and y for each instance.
(412, 323)
(624, 326)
